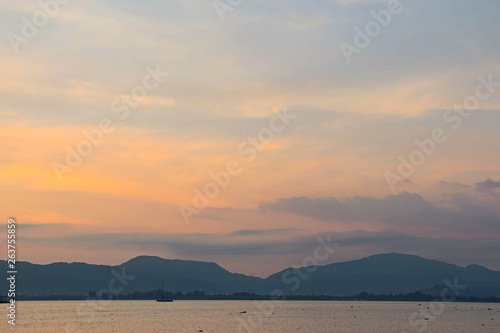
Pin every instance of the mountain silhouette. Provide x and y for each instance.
(389, 274)
(379, 274)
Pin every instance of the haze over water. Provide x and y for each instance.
(225, 317)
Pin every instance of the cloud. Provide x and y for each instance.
(487, 185)
(395, 211)
(353, 122)
(198, 244)
(418, 61)
(260, 232)
(454, 184)
(53, 226)
(293, 249)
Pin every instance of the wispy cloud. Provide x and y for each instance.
(260, 232)
(395, 211)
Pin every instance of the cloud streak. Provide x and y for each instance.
(394, 211)
(221, 249)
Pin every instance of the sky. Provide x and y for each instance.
(238, 132)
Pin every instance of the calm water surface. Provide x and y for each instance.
(226, 317)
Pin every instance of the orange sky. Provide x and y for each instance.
(225, 85)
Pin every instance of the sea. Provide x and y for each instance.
(251, 316)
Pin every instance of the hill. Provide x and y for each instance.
(379, 274)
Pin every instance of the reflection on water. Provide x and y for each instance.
(230, 317)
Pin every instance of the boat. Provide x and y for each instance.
(4, 299)
(160, 297)
(164, 299)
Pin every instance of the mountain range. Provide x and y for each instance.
(378, 274)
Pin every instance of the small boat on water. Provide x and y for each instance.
(160, 297)
(164, 299)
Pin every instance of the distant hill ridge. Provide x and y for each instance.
(377, 274)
